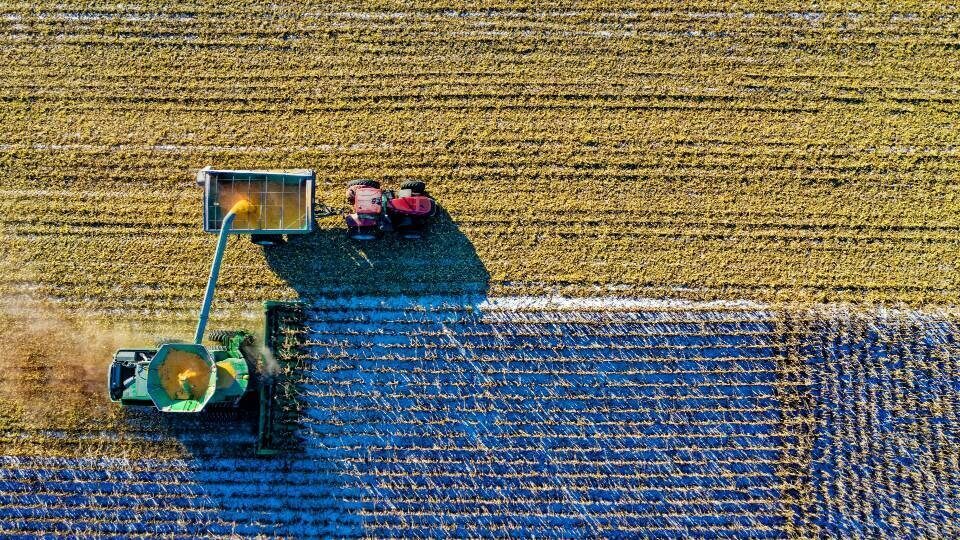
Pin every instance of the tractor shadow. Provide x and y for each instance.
(328, 263)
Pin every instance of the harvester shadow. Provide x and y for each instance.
(218, 430)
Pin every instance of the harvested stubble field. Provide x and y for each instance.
(759, 151)
(756, 159)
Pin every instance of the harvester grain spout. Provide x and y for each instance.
(241, 207)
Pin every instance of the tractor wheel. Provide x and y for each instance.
(364, 183)
(414, 186)
(167, 340)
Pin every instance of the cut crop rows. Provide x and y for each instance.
(759, 152)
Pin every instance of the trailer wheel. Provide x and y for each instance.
(415, 186)
(267, 240)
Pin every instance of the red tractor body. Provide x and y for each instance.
(412, 205)
(366, 200)
(375, 211)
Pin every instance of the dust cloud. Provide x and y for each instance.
(51, 362)
(270, 364)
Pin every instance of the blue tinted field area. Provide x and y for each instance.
(554, 417)
(532, 420)
(886, 391)
(439, 416)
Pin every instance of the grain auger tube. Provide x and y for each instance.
(185, 377)
(240, 207)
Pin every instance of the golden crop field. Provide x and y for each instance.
(758, 151)
(695, 274)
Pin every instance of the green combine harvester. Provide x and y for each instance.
(179, 377)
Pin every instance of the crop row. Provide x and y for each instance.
(165, 273)
(884, 386)
(407, 444)
(444, 386)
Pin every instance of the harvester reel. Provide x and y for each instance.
(224, 336)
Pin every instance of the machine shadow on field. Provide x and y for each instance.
(327, 262)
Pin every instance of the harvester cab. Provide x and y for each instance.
(375, 211)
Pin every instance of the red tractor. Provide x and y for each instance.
(406, 211)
